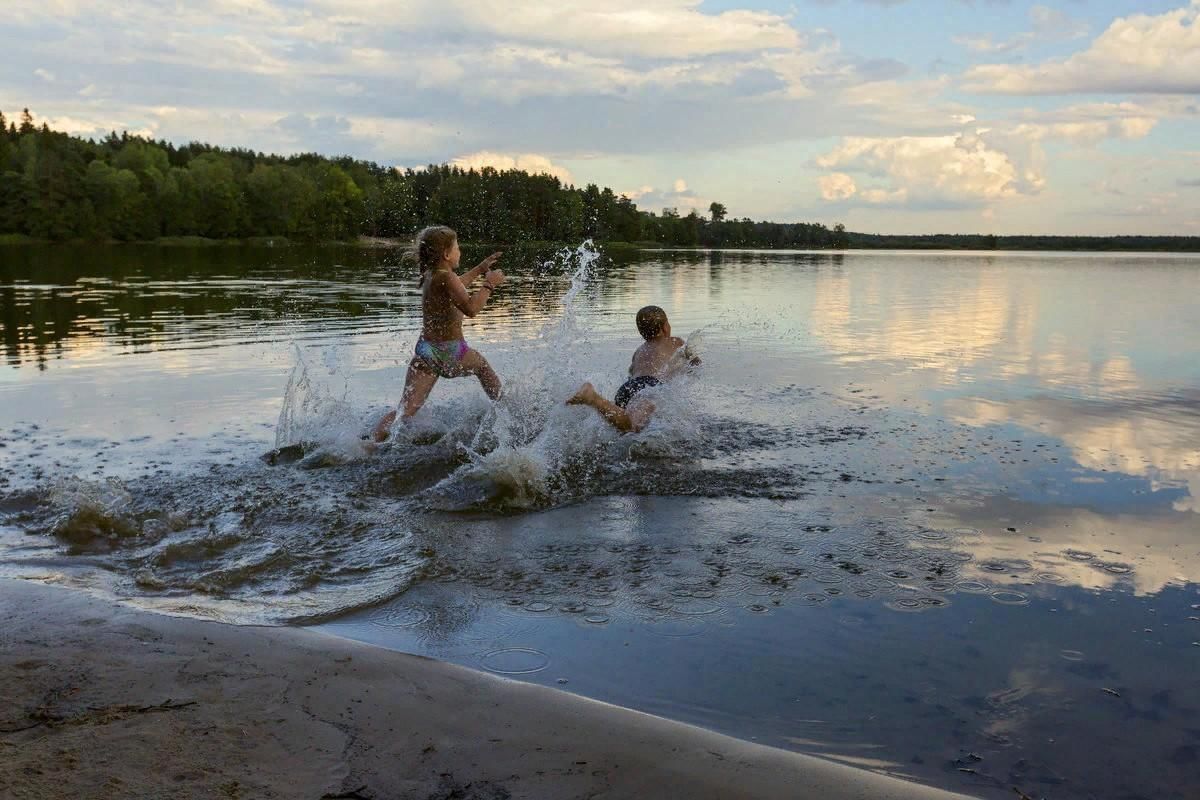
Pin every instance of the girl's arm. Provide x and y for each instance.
(481, 268)
(468, 304)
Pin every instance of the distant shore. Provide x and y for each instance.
(1117, 244)
(105, 701)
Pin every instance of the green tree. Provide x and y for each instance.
(57, 207)
(120, 208)
(13, 198)
(6, 146)
(143, 158)
(336, 210)
(717, 211)
(174, 195)
(278, 198)
(214, 195)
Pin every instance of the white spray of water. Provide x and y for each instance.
(317, 414)
(532, 447)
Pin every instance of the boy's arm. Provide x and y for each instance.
(693, 360)
(481, 268)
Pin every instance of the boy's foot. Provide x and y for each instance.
(583, 397)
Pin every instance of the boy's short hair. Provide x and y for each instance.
(650, 321)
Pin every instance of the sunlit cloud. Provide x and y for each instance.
(963, 168)
(529, 162)
(1136, 54)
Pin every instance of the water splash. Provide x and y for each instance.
(91, 515)
(530, 450)
(318, 419)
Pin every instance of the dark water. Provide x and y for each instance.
(930, 513)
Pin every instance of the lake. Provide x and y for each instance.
(935, 513)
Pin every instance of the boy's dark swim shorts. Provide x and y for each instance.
(632, 386)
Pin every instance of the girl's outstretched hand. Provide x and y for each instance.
(486, 264)
(494, 277)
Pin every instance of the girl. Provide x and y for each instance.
(441, 351)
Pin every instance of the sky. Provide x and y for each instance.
(895, 116)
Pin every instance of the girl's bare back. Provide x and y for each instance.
(441, 320)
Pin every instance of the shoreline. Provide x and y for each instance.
(111, 701)
(386, 243)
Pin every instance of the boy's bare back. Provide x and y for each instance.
(654, 356)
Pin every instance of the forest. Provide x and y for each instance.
(123, 188)
(58, 187)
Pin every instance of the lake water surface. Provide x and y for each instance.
(931, 513)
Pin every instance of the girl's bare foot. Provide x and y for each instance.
(380, 434)
(583, 397)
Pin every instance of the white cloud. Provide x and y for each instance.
(679, 197)
(45, 75)
(1139, 53)
(961, 168)
(1046, 24)
(529, 162)
(1090, 131)
(836, 186)
(662, 29)
(986, 163)
(94, 128)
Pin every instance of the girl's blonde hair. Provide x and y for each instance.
(430, 245)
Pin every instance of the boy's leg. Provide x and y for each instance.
(473, 363)
(626, 420)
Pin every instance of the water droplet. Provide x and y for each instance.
(514, 661)
(1010, 598)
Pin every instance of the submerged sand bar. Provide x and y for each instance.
(105, 701)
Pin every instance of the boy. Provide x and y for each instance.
(651, 365)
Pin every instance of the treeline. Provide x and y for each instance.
(974, 241)
(60, 187)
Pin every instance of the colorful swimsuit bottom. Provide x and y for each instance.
(443, 359)
(631, 387)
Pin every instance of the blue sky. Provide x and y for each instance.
(1062, 116)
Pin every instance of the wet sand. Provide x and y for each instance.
(107, 701)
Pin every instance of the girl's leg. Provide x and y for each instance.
(473, 363)
(417, 386)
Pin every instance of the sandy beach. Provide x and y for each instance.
(107, 701)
